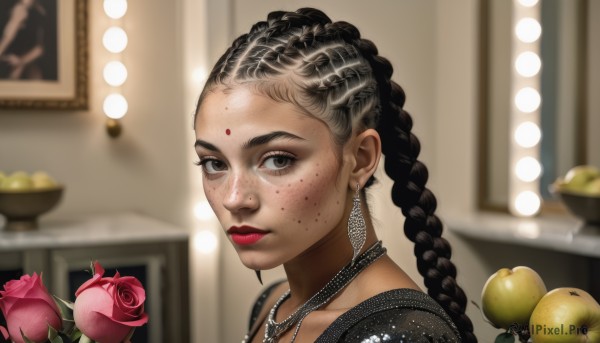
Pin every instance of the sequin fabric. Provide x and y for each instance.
(398, 316)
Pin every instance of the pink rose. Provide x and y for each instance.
(28, 307)
(108, 308)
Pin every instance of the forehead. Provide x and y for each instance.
(245, 106)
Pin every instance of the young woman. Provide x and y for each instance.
(290, 128)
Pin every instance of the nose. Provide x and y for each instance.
(241, 195)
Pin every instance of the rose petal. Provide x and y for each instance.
(143, 319)
(32, 317)
(35, 290)
(99, 327)
(94, 299)
(96, 279)
(19, 287)
(98, 268)
(3, 332)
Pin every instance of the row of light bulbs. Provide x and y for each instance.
(527, 169)
(115, 73)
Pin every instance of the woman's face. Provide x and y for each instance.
(271, 174)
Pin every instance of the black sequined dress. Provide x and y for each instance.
(399, 315)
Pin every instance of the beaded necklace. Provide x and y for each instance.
(273, 329)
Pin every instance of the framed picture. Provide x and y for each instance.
(43, 54)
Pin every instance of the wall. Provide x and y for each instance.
(142, 169)
(593, 102)
(432, 45)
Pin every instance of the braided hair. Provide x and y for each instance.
(327, 69)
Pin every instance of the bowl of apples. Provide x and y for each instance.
(579, 191)
(24, 197)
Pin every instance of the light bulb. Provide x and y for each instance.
(115, 73)
(115, 8)
(528, 169)
(528, 134)
(528, 64)
(528, 30)
(115, 39)
(527, 203)
(528, 99)
(205, 242)
(115, 106)
(203, 211)
(528, 3)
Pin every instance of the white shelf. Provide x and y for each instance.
(559, 233)
(106, 229)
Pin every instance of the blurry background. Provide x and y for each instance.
(434, 47)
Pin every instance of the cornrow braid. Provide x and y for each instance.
(327, 69)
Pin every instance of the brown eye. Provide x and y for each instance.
(212, 166)
(277, 162)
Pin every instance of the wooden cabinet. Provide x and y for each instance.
(153, 251)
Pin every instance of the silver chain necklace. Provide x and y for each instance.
(273, 329)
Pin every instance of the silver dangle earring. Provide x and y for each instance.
(258, 276)
(357, 229)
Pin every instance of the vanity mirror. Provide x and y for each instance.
(562, 84)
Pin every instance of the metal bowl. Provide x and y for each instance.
(22, 208)
(585, 207)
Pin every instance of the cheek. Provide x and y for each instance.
(312, 200)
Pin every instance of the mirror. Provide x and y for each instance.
(563, 53)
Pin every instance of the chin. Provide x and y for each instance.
(253, 260)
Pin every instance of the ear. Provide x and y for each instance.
(366, 153)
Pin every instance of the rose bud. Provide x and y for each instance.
(108, 308)
(28, 308)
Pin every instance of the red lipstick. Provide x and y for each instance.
(245, 235)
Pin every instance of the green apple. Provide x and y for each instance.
(593, 187)
(41, 180)
(17, 181)
(510, 295)
(578, 177)
(566, 315)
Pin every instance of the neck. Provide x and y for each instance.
(309, 272)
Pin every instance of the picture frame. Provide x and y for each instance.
(57, 79)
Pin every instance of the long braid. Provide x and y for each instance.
(327, 69)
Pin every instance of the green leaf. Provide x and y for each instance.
(65, 307)
(52, 333)
(68, 326)
(75, 335)
(25, 339)
(85, 339)
(505, 338)
(56, 339)
(127, 338)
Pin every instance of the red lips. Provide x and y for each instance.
(245, 235)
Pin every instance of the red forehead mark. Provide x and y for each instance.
(227, 132)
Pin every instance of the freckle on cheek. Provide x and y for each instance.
(301, 180)
(299, 221)
(282, 209)
(277, 191)
(305, 198)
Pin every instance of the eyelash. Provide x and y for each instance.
(202, 163)
(273, 154)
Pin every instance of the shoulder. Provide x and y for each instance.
(396, 315)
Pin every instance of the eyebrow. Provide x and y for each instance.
(253, 142)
